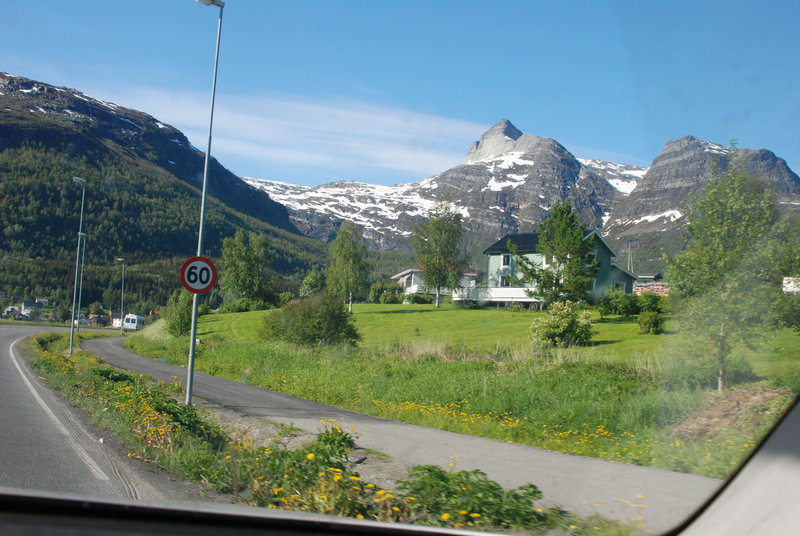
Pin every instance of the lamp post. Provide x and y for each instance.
(77, 263)
(122, 298)
(195, 297)
(82, 236)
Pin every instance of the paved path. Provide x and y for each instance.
(659, 499)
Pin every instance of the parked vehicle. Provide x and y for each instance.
(132, 323)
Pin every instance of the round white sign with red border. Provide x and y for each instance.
(198, 275)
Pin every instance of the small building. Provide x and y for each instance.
(651, 283)
(30, 309)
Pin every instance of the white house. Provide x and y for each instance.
(412, 282)
(503, 285)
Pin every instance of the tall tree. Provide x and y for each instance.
(349, 269)
(246, 267)
(437, 243)
(728, 298)
(569, 268)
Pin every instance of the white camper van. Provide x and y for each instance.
(132, 323)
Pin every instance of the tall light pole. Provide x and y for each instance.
(80, 281)
(195, 298)
(122, 298)
(77, 263)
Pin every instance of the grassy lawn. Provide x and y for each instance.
(474, 371)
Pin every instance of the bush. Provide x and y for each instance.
(242, 305)
(386, 293)
(651, 322)
(424, 299)
(564, 325)
(312, 284)
(618, 302)
(285, 297)
(322, 319)
(203, 309)
(650, 301)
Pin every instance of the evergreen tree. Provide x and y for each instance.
(569, 269)
(349, 268)
(437, 243)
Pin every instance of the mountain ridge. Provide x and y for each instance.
(509, 180)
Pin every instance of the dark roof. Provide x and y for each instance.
(525, 242)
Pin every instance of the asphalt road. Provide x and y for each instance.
(47, 446)
(658, 499)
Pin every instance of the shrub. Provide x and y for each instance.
(242, 305)
(471, 499)
(651, 322)
(424, 299)
(564, 325)
(285, 297)
(386, 293)
(312, 284)
(322, 319)
(618, 302)
(650, 301)
(203, 309)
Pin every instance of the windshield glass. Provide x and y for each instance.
(486, 267)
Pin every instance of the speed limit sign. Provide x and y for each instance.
(198, 275)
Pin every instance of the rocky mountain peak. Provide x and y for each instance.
(501, 139)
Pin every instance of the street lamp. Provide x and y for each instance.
(77, 262)
(80, 280)
(195, 298)
(122, 299)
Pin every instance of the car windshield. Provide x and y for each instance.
(485, 266)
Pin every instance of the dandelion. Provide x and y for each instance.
(445, 516)
(359, 516)
(475, 515)
(311, 455)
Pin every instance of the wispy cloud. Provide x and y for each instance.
(284, 137)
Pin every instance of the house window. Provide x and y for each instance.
(505, 281)
(506, 259)
(619, 286)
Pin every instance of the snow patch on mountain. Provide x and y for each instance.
(366, 205)
(622, 177)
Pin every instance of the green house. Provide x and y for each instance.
(502, 285)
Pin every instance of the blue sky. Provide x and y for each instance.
(387, 92)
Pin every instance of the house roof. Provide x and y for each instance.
(525, 242)
(624, 271)
(467, 273)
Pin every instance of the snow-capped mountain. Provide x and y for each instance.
(507, 183)
(509, 180)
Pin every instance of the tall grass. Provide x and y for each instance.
(473, 372)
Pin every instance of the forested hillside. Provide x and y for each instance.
(142, 200)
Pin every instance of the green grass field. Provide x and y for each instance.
(474, 371)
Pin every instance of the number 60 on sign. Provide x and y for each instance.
(198, 275)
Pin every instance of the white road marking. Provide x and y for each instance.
(93, 467)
